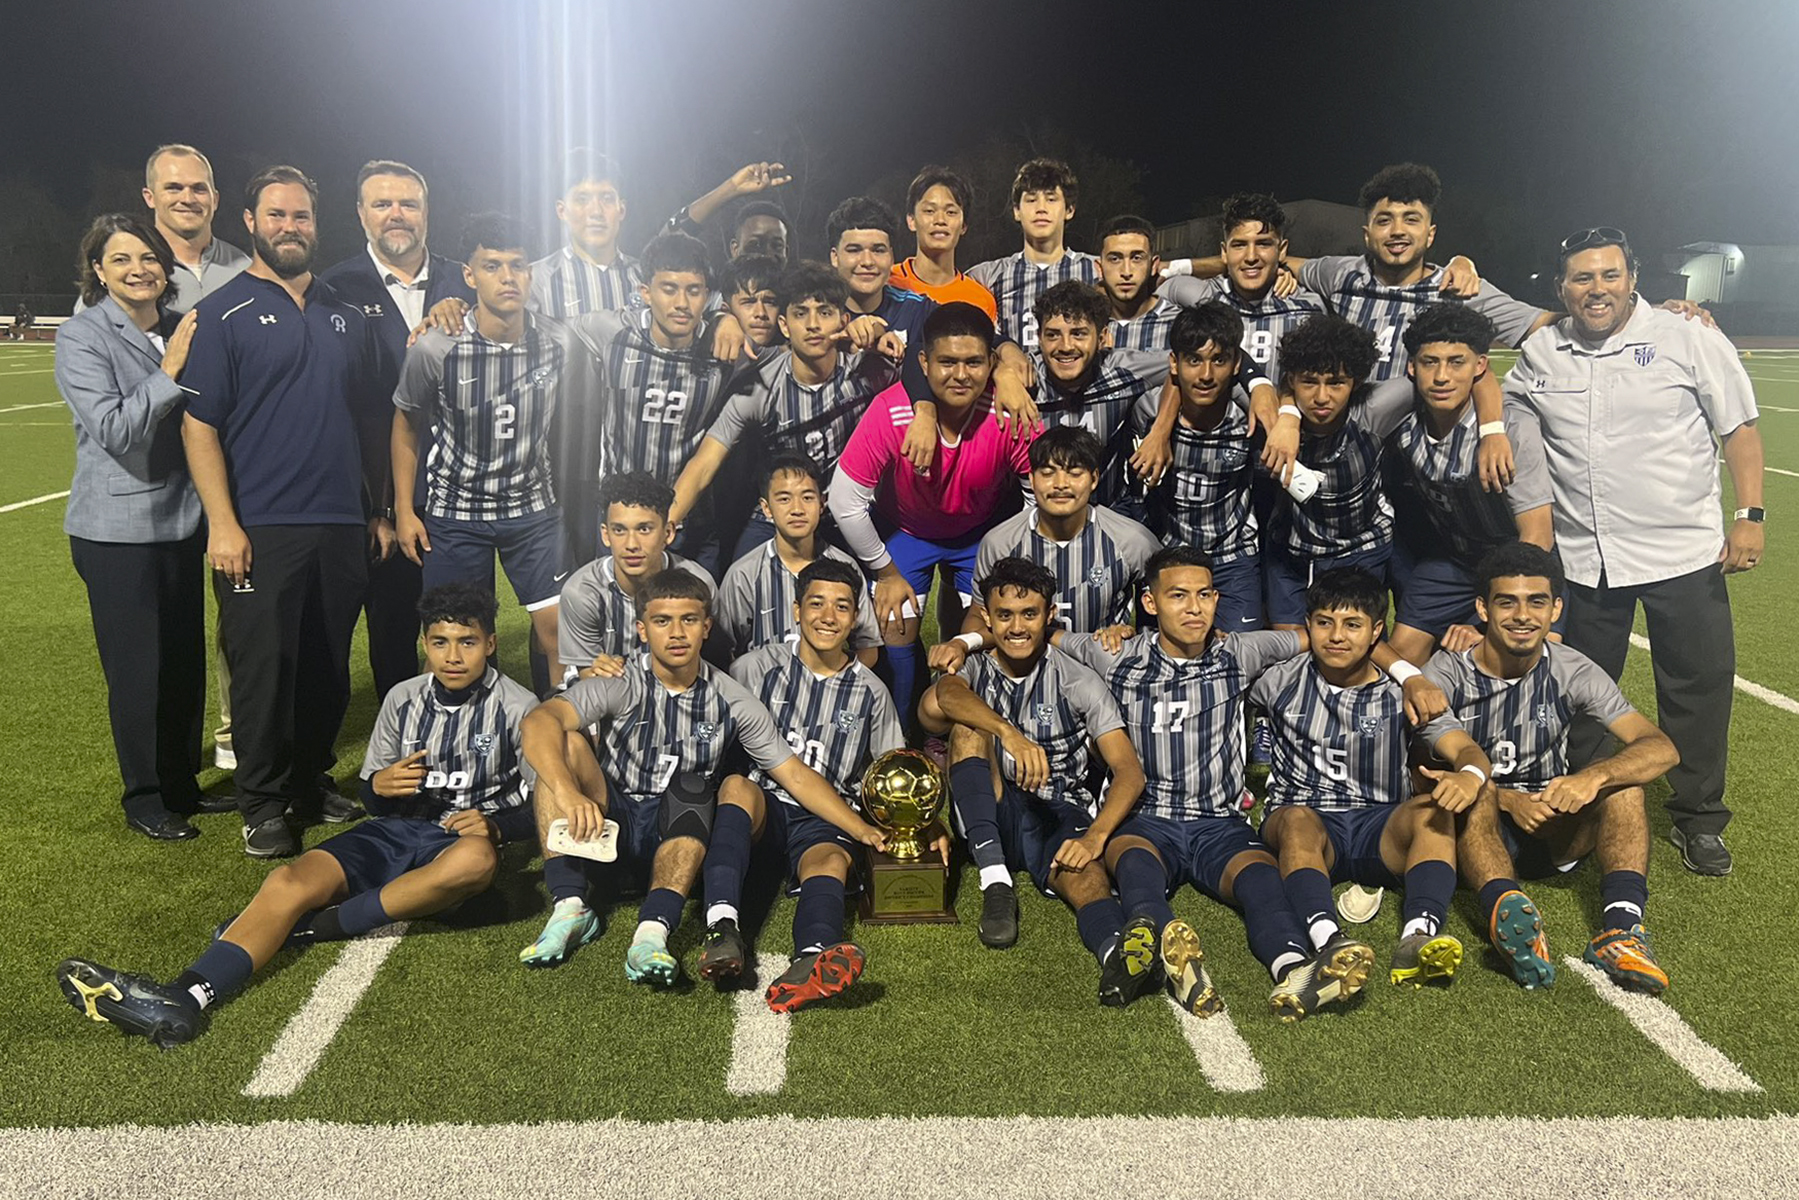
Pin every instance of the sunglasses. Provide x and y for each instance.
(1604, 235)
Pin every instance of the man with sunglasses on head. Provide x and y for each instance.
(1633, 403)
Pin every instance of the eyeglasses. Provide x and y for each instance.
(1603, 235)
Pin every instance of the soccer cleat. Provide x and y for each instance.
(1183, 964)
(270, 839)
(999, 916)
(650, 962)
(722, 955)
(1130, 970)
(1516, 931)
(1358, 904)
(817, 976)
(1624, 955)
(571, 924)
(1424, 958)
(1332, 975)
(134, 1003)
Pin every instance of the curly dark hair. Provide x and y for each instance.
(1449, 321)
(458, 604)
(1245, 207)
(1404, 182)
(1326, 343)
(1019, 575)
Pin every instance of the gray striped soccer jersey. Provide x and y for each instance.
(598, 618)
(656, 404)
(1203, 499)
(472, 755)
(1523, 724)
(1265, 321)
(1059, 704)
(1147, 330)
(1104, 406)
(1100, 568)
(1016, 282)
(1185, 715)
(565, 284)
(815, 421)
(1350, 511)
(836, 724)
(756, 597)
(1435, 485)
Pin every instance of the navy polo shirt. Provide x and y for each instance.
(282, 385)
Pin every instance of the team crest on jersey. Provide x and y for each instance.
(483, 743)
(1096, 574)
(705, 731)
(539, 375)
(848, 721)
(1645, 355)
(372, 310)
(1045, 713)
(337, 323)
(1368, 726)
(1545, 715)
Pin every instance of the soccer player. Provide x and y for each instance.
(598, 603)
(1340, 803)
(1096, 555)
(664, 730)
(1043, 198)
(1251, 254)
(443, 779)
(747, 286)
(839, 718)
(1180, 687)
(761, 227)
(490, 395)
(589, 274)
(1444, 519)
(805, 399)
(937, 516)
(757, 594)
(1024, 714)
(1517, 693)
(1128, 274)
(860, 232)
(937, 213)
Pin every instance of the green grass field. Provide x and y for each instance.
(453, 1030)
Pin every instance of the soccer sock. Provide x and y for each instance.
(361, 913)
(1100, 924)
(727, 859)
(1143, 886)
(818, 917)
(566, 878)
(971, 791)
(218, 974)
(902, 669)
(1625, 894)
(1490, 893)
(1309, 892)
(1276, 937)
(1428, 887)
(663, 906)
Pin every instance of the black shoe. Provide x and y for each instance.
(337, 808)
(270, 839)
(1703, 853)
(999, 916)
(722, 954)
(216, 804)
(1133, 967)
(163, 827)
(132, 1002)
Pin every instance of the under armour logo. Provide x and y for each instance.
(337, 323)
(371, 310)
(267, 318)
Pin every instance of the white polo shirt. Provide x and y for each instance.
(1628, 429)
(408, 298)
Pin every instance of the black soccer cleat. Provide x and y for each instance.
(1133, 968)
(999, 916)
(135, 1003)
(723, 953)
(810, 978)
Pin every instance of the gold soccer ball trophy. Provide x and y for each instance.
(903, 793)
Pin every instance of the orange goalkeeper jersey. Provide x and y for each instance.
(960, 288)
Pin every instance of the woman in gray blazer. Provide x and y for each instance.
(133, 519)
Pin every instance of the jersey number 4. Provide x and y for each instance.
(663, 406)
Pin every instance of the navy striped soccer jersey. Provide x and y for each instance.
(490, 406)
(1350, 511)
(1103, 406)
(1185, 715)
(1147, 330)
(1437, 490)
(1061, 704)
(598, 618)
(1016, 282)
(1523, 724)
(656, 403)
(565, 284)
(755, 603)
(646, 732)
(836, 724)
(1265, 321)
(472, 755)
(1337, 747)
(1100, 568)
(812, 420)
(1203, 499)
(1349, 285)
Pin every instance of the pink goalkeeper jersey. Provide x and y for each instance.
(965, 484)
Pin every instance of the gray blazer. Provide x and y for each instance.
(131, 482)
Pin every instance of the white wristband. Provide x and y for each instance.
(1476, 772)
(1489, 428)
(973, 641)
(1284, 409)
(1401, 671)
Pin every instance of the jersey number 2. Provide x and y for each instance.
(663, 406)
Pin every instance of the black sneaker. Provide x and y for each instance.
(134, 1003)
(163, 827)
(999, 916)
(1133, 967)
(722, 954)
(270, 839)
(338, 809)
(1703, 853)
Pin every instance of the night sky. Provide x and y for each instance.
(1672, 120)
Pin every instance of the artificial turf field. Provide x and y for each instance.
(453, 1031)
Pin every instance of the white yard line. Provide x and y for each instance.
(1224, 1057)
(23, 407)
(1748, 687)
(297, 1051)
(44, 499)
(758, 1043)
(1663, 1026)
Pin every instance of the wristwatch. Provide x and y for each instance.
(1758, 515)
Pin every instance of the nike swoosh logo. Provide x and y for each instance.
(983, 845)
(469, 380)
(560, 577)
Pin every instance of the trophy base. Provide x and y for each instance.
(898, 892)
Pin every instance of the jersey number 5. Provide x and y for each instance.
(1332, 762)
